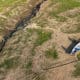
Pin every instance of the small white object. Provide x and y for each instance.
(76, 48)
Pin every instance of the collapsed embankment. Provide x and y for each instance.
(22, 20)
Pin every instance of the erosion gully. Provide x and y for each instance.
(23, 22)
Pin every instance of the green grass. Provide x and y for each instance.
(51, 53)
(64, 5)
(42, 22)
(59, 18)
(9, 3)
(9, 63)
(43, 36)
(76, 72)
(29, 65)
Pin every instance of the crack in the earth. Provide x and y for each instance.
(21, 24)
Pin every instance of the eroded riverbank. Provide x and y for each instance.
(21, 20)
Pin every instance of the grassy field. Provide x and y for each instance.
(65, 5)
(30, 51)
(4, 4)
(9, 10)
(76, 72)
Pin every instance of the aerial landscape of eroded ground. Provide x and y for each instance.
(39, 39)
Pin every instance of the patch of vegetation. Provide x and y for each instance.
(70, 29)
(60, 18)
(76, 72)
(78, 56)
(42, 37)
(42, 23)
(10, 63)
(12, 50)
(9, 3)
(51, 53)
(77, 14)
(63, 6)
(29, 65)
(66, 5)
(33, 50)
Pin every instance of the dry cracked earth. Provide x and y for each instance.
(32, 51)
